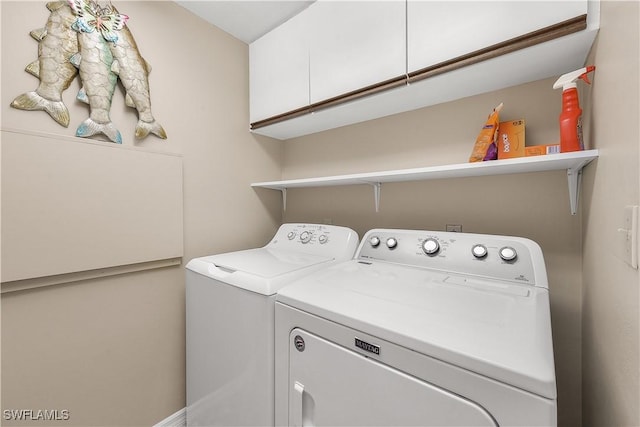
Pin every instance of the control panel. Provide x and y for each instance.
(318, 239)
(513, 259)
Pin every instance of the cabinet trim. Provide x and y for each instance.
(543, 35)
(331, 102)
(546, 34)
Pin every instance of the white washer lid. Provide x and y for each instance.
(261, 270)
(497, 329)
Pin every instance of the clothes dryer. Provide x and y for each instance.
(230, 321)
(420, 328)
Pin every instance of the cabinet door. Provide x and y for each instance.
(355, 44)
(442, 30)
(279, 70)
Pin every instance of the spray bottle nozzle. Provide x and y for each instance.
(584, 77)
(568, 80)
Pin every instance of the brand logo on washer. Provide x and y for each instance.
(371, 348)
(299, 343)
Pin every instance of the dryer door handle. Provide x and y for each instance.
(295, 416)
(301, 407)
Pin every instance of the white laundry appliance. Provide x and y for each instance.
(420, 328)
(230, 321)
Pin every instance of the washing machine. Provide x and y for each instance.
(420, 328)
(230, 321)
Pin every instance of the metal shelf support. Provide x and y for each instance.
(376, 194)
(574, 177)
(284, 199)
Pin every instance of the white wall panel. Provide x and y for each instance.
(70, 205)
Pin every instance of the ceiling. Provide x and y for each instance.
(246, 20)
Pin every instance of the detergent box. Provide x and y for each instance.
(540, 150)
(511, 139)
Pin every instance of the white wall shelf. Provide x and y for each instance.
(571, 162)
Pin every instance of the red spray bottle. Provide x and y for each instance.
(571, 115)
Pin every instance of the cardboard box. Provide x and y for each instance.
(540, 150)
(511, 139)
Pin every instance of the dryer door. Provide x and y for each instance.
(332, 385)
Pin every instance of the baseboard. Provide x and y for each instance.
(179, 419)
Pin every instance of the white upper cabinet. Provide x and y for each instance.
(279, 69)
(355, 44)
(333, 50)
(441, 30)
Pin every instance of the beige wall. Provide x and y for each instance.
(111, 350)
(610, 292)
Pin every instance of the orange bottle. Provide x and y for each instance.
(571, 115)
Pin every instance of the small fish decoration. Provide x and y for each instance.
(96, 27)
(57, 42)
(85, 38)
(133, 72)
(99, 82)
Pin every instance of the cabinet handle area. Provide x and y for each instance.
(331, 102)
(533, 38)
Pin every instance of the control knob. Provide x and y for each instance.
(291, 235)
(507, 253)
(430, 246)
(392, 242)
(479, 251)
(323, 239)
(305, 236)
(374, 241)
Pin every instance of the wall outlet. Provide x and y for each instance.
(455, 228)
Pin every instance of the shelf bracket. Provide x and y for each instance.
(574, 176)
(376, 194)
(284, 199)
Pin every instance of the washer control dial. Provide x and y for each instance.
(430, 246)
(507, 253)
(479, 251)
(374, 241)
(392, 242)
(291, 235)
(323, 239)
(305, 236)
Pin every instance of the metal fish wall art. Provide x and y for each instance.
(82, 37)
